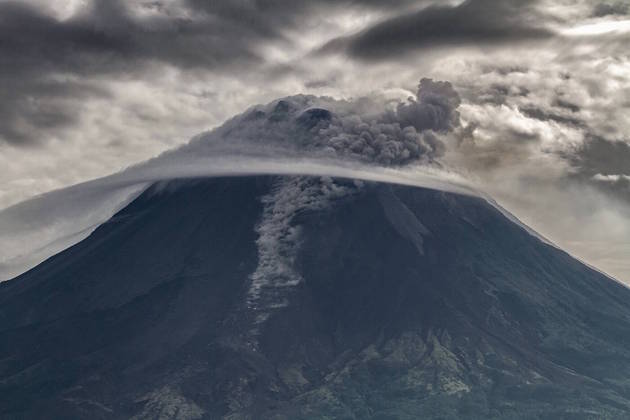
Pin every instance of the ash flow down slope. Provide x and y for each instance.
(294, 296)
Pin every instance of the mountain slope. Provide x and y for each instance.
(301, 297)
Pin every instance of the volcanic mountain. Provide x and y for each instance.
(302, 297)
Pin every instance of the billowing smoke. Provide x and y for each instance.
(365, 129)
(435, 107)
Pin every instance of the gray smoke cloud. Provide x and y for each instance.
(365, 129)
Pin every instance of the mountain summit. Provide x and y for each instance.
(294, 297)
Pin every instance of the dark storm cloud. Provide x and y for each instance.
(611, 8)
(472, 22)
(45, 64)
(604, 164)
(108, 37)
(271, 17)
(603, 156)
(48, 66)
(31, 107)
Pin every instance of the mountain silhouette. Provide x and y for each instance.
(294, 297)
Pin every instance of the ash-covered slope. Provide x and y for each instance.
(300, 297)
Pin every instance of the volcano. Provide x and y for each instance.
(301, 297)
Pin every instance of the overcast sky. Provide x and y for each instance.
(90, 87)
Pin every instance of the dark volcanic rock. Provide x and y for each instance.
(308, 298)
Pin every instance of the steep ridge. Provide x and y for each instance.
(309, 297)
